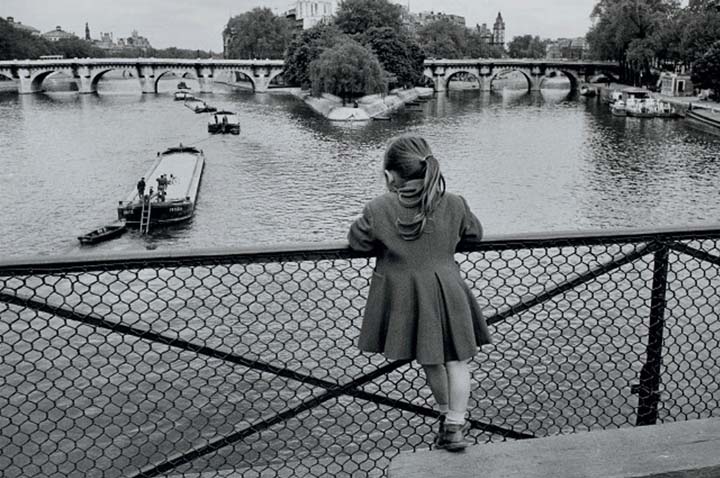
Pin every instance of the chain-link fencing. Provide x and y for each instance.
(245, 363)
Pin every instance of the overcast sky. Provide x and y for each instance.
(198, 23)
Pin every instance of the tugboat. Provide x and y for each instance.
(177, 172)
(224, 122)
(183, 96)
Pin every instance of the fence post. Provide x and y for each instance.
(648, 389)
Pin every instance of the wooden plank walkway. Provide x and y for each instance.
(689, 449)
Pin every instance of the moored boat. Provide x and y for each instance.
(103, 233)
(223, 122)
(183, 96)
(199, 106)
(587, 91)
(176, 173)
(182, 86)
(618, 108)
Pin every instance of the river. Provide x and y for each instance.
(525, 162)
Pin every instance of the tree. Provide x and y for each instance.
(348, 70)
(16, 44)
(527, 46)
(358, 16)
(620, 24)
(306, 48)
(258, 33)
(443, 39)
(397, 53)
(76, 48)
(476, 46)
(706, 70)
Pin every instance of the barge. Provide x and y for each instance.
(176, 173)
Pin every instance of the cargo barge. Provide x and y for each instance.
(171, 199)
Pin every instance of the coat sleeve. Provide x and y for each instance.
(470, 228)
(361, 235)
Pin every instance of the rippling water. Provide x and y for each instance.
(540, 162)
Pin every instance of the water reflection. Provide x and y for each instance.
(526, 162)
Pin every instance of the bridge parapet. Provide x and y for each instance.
(156, 364)
(88, 71)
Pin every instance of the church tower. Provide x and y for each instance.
(87, 32)
(498, 37)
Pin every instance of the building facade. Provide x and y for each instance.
(423, 18)
(58, 34)
(568, 49)
(308, 13)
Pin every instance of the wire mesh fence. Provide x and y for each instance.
(244, 363)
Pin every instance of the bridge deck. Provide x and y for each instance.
(673, 450)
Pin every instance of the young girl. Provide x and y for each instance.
(418, 306)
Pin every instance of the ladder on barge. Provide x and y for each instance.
(145, 215)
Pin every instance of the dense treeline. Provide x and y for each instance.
(646, 36)
(385, 54)
(16, 44)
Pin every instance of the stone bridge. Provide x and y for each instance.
(440, 72)
(88, 71)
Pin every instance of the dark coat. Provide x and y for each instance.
(418, 306)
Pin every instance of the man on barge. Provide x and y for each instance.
(141, 187)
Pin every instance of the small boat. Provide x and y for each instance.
(183, 96)
(618, 108)
(381, 118)
(177, 172)
(104, 233)
(182, 86)
(587, 91)
(199, 106)
(224, 122)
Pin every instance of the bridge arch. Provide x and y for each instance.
(182, 73)
(571, 76)
(503, 71)
(463, 74)
(95, 79)
(246, 75)
(37, 79)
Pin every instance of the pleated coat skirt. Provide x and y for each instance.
(418, 306)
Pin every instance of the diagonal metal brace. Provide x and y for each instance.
(530, 302)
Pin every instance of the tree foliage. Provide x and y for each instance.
(258, 33)
(527, 46)
(445, 39)
(706, 70)
(348, 70)
(399, 55)
(306, 48)
(359, 16)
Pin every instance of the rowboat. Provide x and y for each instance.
(104, 233)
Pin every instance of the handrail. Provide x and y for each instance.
(338, 250)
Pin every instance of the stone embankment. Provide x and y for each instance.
(368, 107)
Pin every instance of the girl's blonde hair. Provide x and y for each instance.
(411, 158)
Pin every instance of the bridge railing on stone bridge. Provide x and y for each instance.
(195, 364)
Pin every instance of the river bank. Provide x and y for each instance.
(365, 108)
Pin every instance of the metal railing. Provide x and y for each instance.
(205, 363)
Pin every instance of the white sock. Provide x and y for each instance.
(455, 417)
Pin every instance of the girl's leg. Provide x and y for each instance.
(437, 379)
(458, 375)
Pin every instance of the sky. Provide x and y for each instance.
(197, 24)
